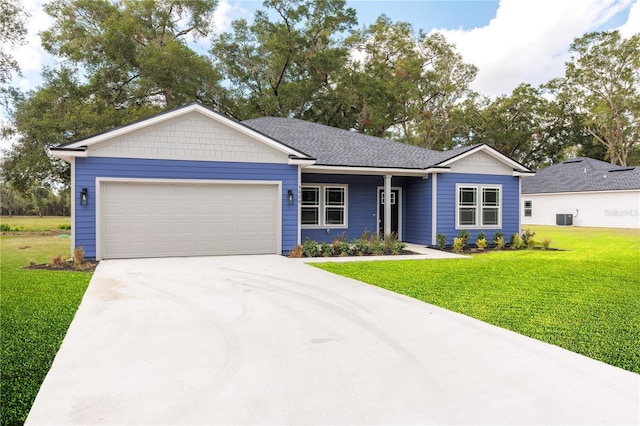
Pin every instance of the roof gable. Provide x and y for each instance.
(189, 132)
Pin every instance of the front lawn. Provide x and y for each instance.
(35, 312)
(585, 299)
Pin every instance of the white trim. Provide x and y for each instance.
(399, 201)
(73, 205)
(301, 162)
(522, 174)
(490, 151)
(479, 187)
(67, 154)
(347, 170)
(101, 180)
(387, 206)
(299, 204)
(434, 209)
(144, 123)
(322, 205)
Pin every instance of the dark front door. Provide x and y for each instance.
(395, 203)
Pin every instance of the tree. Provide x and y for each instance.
(408, 86)
(12, 34)
(532, 125)
(286, 62)
(603, 78)
(121, 60)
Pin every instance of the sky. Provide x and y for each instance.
(510, 41)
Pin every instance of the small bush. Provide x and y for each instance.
(377, 245)
(442, 241)
(297, 251)
(499, 243)
(498, 234)
(464, 234)
(58, 261)
(516, 242)
(5, 227)
(64, 226)
(310, 248)
(527, 234)
(546, 242)
(481, 243)
(481, 236)
(78, 256)
(459, 244)
(530, 242)
(361, 247)
(326, 249)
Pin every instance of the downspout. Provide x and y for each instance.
(434, 208)
(72, 162)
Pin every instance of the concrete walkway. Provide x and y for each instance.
(270, 340)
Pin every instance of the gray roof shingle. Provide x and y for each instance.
(338, 147)
(582, 174)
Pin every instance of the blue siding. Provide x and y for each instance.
(446, 215)
(418, 211)
(361, 205)
(87, 169)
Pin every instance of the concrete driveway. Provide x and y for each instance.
(270, 340)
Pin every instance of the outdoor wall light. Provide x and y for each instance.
(84, 196)
(290, 196)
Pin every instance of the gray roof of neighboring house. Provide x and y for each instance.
(338, 147)
(582, 174)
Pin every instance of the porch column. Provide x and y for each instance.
(387, 205)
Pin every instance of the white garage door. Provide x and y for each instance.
(187, 219)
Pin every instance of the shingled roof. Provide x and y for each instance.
(337, 147)
(582, 174)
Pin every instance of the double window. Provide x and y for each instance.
(324, 206)
(479, 206)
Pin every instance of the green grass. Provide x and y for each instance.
(35, 223)
(585, 299)
(36, 309)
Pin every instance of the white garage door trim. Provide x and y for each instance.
(101, 180)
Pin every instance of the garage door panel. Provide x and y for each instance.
(160, 219)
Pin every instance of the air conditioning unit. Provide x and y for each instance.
(564, 219)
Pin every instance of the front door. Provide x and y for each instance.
(395, 211)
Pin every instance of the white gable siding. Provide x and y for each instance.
(612, 209)
(480, 163)
(189, 137)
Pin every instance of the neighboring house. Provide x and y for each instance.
(191, 181)
(583, 192)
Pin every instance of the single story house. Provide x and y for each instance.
(583, 192)
(190, 181)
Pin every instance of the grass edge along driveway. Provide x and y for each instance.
(585, 299)
(36, 309)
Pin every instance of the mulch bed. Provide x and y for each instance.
(87, 266)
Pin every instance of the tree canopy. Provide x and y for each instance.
(121, 60)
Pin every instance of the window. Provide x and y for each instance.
(324, 206)
(478, 206)
(528, 207)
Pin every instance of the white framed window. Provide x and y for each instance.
(323, 206)
(478, 206)
(528, 208)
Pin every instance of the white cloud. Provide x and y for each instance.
(632, 26)
(225, 13)
(527, 41)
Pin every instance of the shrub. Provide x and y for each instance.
(377, 245)
(297, 251)
(546, 243)
(326, 249)
(499, 234)
(458, 244)
(527, 234)
(442, 241)
(516, 242)
(58, 261)
(464, 234)
(78, 256)
(481, 236)
(361, 247)
(310, 248)
(5, 227)
(499, 243)
(64, 226)
(481, 243)
(530, 242)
